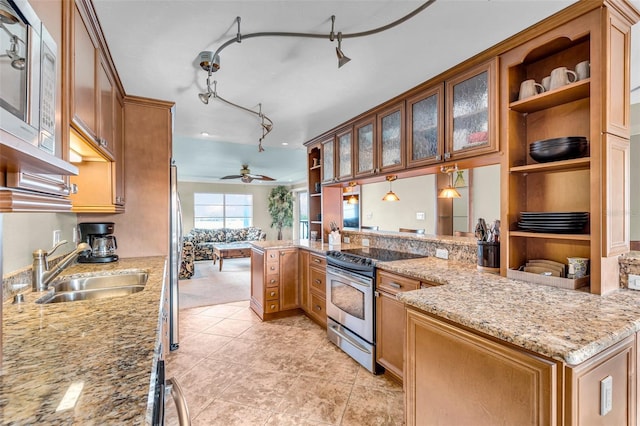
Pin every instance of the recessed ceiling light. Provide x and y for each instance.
(285, 143)
(204, 133)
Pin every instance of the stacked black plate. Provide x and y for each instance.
(557, 149)
(553, 222)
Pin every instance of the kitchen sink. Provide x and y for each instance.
(95, 287)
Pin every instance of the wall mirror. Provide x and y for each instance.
(418, 206)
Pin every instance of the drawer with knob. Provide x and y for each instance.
(317, 308)
(315, 260)
(317, 281)
(272, 293)
(271, 306)
(272, 280)
(393, 284)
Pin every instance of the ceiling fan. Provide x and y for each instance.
(246, 176)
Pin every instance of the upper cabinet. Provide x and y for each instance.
(92, 84)
(96, 116)
(344, 149)
(472, 112)
(379, 142)
(425, 127)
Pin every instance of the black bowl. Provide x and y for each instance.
(559, 152)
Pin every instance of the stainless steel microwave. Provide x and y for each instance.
(27, 76)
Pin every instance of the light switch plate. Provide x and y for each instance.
(346, 240)
(606, 395)
(365, 242)
(634, 282)
(419, 215)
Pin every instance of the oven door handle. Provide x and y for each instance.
(356, 344)
(180, 401)
(356, 279)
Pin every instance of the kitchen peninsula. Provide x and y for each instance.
(107, 347)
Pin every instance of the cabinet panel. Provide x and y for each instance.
(618, 95)
(393, 284)
(317, 281)
(446, 365)
(83, 94)
(106, 108)
(317, 309)
(289, 298)
(616, 195)
(303, 278)
(425, 127)
(390, 330)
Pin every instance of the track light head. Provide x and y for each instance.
(204, 97)
(342, 58)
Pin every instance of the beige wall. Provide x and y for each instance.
(417, 194)
(25, 232)
(486, 193)
(261, 218)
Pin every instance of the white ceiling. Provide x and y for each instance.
(155, 44)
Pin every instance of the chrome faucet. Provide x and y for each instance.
(41, 276)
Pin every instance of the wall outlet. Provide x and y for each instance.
(56, 236)
(346, 240)
(369, 215)
(634, 282)
(420, 216)
(442, 254)
(365, 242)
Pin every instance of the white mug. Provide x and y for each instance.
(583, 70)
(561, 76)
(529, 88)
(546, 82)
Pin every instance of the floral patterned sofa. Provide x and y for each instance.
(198, 244)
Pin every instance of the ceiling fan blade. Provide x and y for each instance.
(232, 177)
(263, 177)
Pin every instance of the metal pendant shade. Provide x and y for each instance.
(342, 58)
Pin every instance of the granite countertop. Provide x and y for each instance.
(107, 345)
(315, 246)
(566, 325)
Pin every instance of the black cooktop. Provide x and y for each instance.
(381, 254)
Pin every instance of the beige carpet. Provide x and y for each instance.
(209, 286)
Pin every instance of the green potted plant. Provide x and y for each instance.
(281, 208)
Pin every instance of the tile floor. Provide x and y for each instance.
(237, 370)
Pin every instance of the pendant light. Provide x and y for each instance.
(449, 191)
(391, 196)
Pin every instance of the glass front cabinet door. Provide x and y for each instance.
(344, 145)
(364, 147)
(391, 144)
(472, 112)
(328, 161)
(425, 127)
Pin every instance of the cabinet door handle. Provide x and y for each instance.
(273, 268)
(316, 260)
(282, 253)
(317, 281)
(438, 157)
(317, 307)
(272, 281)
(394, 285)
(273, 293)
(447, 155)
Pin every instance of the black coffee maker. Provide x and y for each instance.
(103, 244)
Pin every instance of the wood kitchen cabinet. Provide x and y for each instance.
(337, 155)
(596, 183)
(316, 307)
(390, 321)
(97, 116)
(503, 384)
(274, 282)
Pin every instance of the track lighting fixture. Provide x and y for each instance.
(342, 59)
(210, 60)
(265, 122)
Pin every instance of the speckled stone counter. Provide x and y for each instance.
(108, 345)
(315, 246)
(629, 264)
(566, 325)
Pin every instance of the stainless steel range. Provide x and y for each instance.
(351, 321)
